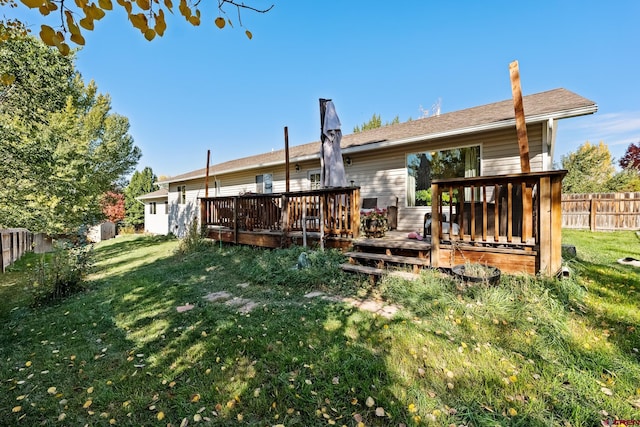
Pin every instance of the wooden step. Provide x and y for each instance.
(377, 272)
(395, 259)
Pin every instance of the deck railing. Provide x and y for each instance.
(336, 208)
(520, 211)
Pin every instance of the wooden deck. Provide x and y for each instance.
(512, 222)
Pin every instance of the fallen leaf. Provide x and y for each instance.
(606, 391)
(195, 398)
(90, 390)
(513, 412)
(379, 412)
(370, 402)
(51, 390)
(16, 409)
(87, 404)
(160, 416)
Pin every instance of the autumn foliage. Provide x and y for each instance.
(113, 206)
(148, 16)
(631, 158)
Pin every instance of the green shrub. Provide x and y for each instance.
(61, 273)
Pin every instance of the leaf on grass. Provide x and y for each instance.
(87, 404)
(160, 416)
(62, 416)
(51, 390)
(412, 408)
(90, 390)
(512, 412)
(606, 391)
(16, 409)
(195, 398)
(370, 402)
(27, 363)
(379, 412)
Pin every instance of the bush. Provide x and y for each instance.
(194, 240)
(61, 273)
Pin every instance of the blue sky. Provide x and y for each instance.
(201, 88)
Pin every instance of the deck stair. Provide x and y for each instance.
(378, 257)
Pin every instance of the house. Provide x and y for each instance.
(156, 211)
(394, 164)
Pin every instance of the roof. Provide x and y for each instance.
(553, 104)
(158, 194)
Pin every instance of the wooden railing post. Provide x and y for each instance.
(556, 224)
(545, 225)
(592, 214)
(435, 224)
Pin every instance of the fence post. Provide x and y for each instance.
(592, 214)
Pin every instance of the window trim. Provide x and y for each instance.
(310, 183)
(480, 146)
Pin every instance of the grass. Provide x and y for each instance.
(530, 351)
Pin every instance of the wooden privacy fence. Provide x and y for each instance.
(601, 211)
(14, 242)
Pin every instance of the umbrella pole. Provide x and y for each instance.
(322, 205)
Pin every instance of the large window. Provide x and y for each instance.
(424, 167)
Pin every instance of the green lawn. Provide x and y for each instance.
(529, 352)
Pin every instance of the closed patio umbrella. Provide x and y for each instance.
(332, 173)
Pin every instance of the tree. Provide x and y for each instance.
(72, 18)
(113, 206)
(375, 122)
(141, 183)
(61, 145)
(590, 169)
(631, 158)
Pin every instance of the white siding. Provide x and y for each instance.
(381, 174)
(157, 223)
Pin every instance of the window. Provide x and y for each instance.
(182, 194)
(264, 183)
(152, 208)
(423, 167)
(314, 180)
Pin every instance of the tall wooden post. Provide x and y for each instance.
(206, 176)
(286, 158)
(521, 126)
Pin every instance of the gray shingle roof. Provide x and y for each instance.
(158, 194)
(557, 103)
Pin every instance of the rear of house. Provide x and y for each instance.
(394, 164)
